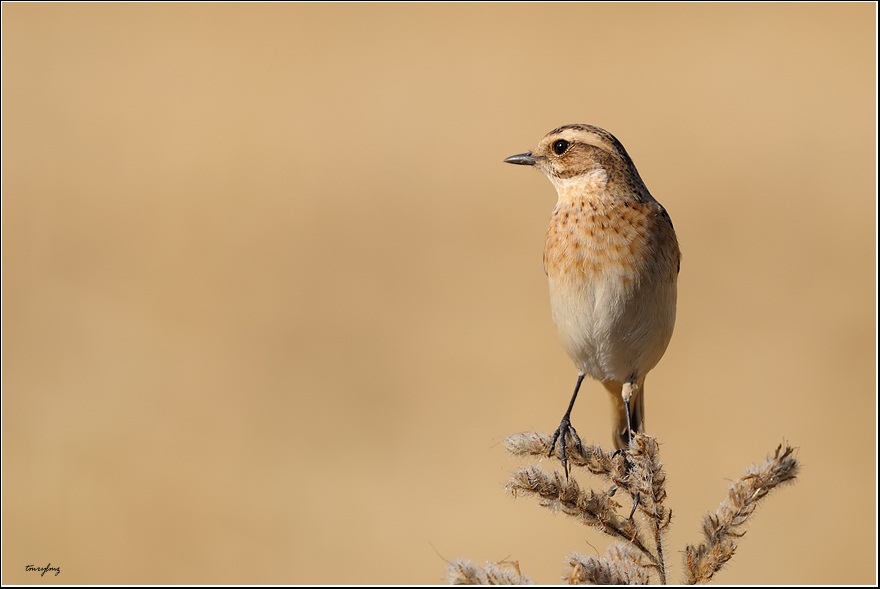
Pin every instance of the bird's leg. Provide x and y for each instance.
(565, 429)
(627, 394)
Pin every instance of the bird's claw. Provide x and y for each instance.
(565, 429)
(627, 469)
(636, 500)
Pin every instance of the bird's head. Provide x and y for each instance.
(578, 156)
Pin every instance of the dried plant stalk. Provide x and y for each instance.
(724, 528)
(464, 572)
(638, 472)
(559, 493)
(608, 465)
(649, 481)
(619, 566)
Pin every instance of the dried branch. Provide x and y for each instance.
(608, 465)
(638, 472)
(619, 566)
(559, 493)
(649, 481)
(464, 572)
(725, 527)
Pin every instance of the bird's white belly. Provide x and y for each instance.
(611, 328)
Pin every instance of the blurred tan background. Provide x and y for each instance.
(271, 300)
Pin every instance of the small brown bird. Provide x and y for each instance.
(612, 260)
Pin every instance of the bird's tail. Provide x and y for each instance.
(636, 412)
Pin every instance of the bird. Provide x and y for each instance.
(612, 261)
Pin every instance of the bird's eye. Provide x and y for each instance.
(560, 146)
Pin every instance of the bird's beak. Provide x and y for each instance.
(522, 159)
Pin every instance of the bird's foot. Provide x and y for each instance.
(636, 500)
(627, 469)
(564, 430)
